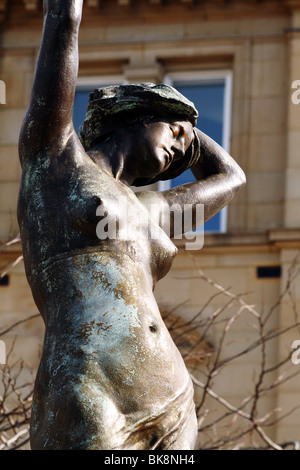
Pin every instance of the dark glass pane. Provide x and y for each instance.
(268, 272)
(4, 281)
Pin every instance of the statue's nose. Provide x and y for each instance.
(179, 148)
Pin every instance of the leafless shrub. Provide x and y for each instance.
(16, 382)
(221, 424)
(15, 405)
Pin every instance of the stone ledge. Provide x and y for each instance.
(271, 240)
(286, 234)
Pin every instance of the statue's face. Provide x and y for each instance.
(159, 143)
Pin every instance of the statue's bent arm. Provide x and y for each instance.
(47, 126)
(218, 177)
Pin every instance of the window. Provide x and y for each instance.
(211, 94)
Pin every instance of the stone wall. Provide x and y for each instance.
(260, 44)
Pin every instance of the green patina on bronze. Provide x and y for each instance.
(110, 376)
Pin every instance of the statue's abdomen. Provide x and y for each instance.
(106, 348)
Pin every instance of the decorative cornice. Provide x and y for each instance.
(292, 4)
(3, 5)
(23, 12)
(3, 9)
(31, 4)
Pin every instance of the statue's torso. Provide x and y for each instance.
(60, 208)
(107, 353)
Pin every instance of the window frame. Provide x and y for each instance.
(96, 81)
(205, 76)
(92, 82)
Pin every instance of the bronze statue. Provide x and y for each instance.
(110, 376)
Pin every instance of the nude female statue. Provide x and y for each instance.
(110, 376)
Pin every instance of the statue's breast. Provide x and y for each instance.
(110, 212)
(85, 207)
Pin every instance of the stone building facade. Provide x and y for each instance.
(256, 42)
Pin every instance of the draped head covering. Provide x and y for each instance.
(136, 100)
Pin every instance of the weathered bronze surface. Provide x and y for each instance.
(110, 376)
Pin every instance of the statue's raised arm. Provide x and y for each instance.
(110, 376)
(48, 120)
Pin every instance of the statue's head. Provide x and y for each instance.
(130, 105)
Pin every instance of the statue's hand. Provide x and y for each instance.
(73, 8)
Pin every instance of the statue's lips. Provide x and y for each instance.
(170, 157)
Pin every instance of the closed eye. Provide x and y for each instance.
(178, 131)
